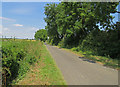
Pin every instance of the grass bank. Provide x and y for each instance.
(27, 62)
(44, 72)
(105, 61)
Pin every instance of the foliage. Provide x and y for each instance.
(61, 44)
(41, 35)
(102, 43)
(79, 24)
(17, 56)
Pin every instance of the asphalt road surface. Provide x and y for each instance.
(79, 71)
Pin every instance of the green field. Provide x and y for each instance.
(23, 60)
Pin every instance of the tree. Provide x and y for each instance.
(50, 12)
(41, 35)
(71, 22)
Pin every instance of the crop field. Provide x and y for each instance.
(20, 56)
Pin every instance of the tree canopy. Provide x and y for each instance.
(72, 23)
(41, 35)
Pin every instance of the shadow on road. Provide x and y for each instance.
(83, 58)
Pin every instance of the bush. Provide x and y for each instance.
(24, 67)
(31, 59)
(61, 44)
(75, 49)
(17, 58)
(102, 43)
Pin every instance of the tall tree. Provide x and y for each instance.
(73, 21)
(50, 12)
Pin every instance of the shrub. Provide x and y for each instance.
(61, 44)
(17, 58)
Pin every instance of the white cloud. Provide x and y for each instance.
(0, 33)
(18, 25)
(0, 26)
(5, 29)
(33, 28)
(19, 32)
(7, 19)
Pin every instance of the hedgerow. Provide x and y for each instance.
(17, 57)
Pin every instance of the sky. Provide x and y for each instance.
(23, 19)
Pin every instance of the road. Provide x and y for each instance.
(79, 71)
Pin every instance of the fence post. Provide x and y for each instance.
(14, 38)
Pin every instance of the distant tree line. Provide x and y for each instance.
(41, 34)
(88, 26)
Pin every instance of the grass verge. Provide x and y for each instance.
(108, 62)
(44, 72)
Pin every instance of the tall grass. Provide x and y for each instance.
(17, 57)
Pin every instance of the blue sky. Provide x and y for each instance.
(22, 19)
